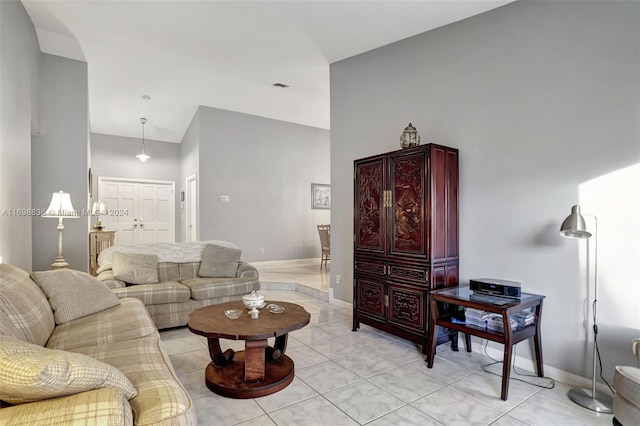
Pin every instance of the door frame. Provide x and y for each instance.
(188, 196)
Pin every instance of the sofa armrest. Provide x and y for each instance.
(246, 270)
(102, 406)
(635, 347)
(109, 280)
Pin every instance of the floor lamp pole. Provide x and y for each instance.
(593, 400)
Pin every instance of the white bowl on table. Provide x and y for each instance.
(253, 300)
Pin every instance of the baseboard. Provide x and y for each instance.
(335, 301)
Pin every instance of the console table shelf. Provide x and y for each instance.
(441, 303)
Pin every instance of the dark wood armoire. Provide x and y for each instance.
(405, 238)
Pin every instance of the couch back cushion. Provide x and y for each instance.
(7, 329)
(189, 270)
(168, 271)
(22, 301)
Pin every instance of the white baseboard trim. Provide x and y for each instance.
(338, 301)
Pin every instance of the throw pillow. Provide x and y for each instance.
(135, 268)
(30, 372)
(219, 261)
(74, 294)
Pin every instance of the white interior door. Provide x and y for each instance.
(192, 209)
(140, 211)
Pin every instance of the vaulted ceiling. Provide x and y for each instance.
(222, 54)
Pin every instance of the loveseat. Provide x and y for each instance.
(71, 352)
(174, 279)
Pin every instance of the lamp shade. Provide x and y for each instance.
(98, 209)
(60, 206)
(574, 225)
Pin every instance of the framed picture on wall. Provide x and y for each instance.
(320, 196)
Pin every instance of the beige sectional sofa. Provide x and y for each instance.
(178, 288)
(73, 353)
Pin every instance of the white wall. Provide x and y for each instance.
(266, 167)
(19, 54)
(539, 97)
(59, 160)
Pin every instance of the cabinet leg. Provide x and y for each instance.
(356, 325)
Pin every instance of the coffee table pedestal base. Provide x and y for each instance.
(229, 380)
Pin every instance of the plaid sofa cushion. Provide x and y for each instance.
(7, 329)
(168, 271)
(189, 270)
(154, 294)
(104, 407)
(24, 303)
(209, 288)
(126, 321)
(161, 398)
(30, 372)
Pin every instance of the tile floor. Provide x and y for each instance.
(305, 272)
(373, 378)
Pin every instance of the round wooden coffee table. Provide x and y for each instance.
(258, 370)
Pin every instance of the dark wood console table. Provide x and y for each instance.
(464, 297)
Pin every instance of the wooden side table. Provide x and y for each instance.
(259, 370)
(98, 241)
(463, 296)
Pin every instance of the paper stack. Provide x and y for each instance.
(494, 323)
(476, 317)
(524, 318)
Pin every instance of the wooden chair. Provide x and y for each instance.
(325, 244)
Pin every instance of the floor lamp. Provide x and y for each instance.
(60, 207)
(574, 227)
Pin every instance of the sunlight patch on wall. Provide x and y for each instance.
(615, 199)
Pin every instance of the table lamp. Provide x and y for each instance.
(98, 210)
(60, 207)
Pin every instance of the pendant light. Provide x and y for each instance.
(143, 156)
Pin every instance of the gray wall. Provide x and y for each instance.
(190, 165)
(539, 97)
(59, 160)
(266, 167)
(19, 53)
(115, 156)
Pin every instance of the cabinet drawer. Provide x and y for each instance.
(407, 307)
(370, 297)
(419, 276)
(374, 268)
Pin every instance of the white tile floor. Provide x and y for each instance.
(370, 377)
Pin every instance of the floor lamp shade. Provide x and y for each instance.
(60, 207)
(574, 226)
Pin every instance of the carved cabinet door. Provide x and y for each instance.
(407, 307)
(370, 297)
(369, 194)
(409, 204)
